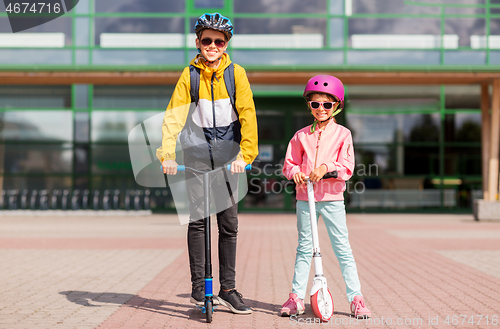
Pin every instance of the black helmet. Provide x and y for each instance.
(216, 22)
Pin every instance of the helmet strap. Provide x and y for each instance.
(336, 112)
(313, 127)
(315, 123)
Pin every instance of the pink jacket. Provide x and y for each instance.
(332, 147)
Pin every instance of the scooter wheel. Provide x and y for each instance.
(322, 304)
(208, 311)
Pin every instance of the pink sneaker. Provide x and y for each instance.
(358, 308)
(293, 306)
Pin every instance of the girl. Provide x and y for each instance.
(313, 151)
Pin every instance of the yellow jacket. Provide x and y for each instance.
(178, 109)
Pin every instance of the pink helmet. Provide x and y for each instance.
(326, 84)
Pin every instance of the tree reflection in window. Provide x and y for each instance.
(426, 130)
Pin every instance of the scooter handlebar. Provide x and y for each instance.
(183, 168)
(333, 174)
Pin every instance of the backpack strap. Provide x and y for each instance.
(195, 84)
(231, 86)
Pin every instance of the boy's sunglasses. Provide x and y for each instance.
(218, 42)
(326, 105)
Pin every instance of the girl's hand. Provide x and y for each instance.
(299, 178)
(317, 173)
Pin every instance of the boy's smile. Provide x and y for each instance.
(211, 52)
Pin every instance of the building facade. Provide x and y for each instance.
(417, 75)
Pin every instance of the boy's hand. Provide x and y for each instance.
(238, 166)
(299, 178)
(318, 173)
(169, 167)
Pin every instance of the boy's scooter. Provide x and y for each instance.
(208, 305)
(321, 298)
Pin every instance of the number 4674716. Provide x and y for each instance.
(33, 8)
(477, 319)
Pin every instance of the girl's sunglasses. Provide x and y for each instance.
(218, 42)
(326, 105)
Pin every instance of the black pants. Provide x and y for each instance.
(227, 223)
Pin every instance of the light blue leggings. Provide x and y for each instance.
(333, 214)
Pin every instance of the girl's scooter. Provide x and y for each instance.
(208, 305)
(321, 298)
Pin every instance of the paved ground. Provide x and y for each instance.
(416, 271)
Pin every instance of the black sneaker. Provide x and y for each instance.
(234, 301)
(198, 296)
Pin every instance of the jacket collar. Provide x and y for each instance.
(199, 62)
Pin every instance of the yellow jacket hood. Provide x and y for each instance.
(200, 63)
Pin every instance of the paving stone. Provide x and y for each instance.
(112, 272)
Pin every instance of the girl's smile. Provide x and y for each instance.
(321, 114)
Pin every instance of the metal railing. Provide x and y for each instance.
(129, 200)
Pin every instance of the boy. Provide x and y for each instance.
(221, 124)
